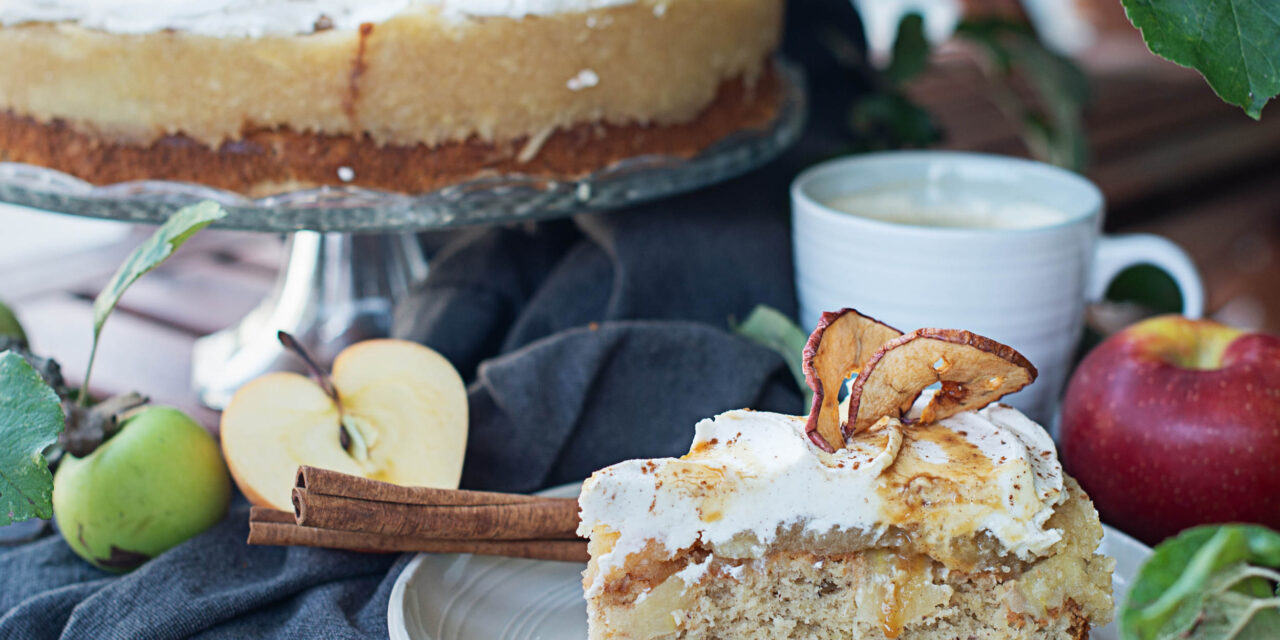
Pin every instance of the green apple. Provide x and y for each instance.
(9, 325)
(156, 483)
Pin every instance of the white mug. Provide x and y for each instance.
(1022, 278)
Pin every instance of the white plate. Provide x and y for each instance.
(464, 597)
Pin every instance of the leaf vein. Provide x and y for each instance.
(1244, 59)
(4, 476)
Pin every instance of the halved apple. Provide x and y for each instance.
(391, 410)
(839, 347)
(974, 371)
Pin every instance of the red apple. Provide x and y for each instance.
(1173, 423)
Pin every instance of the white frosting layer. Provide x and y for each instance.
(255, 18)
(755, 472)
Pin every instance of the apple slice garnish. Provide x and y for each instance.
(391, 410)
(974, 371)
(839, 347)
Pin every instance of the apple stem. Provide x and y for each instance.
(115, 406)
(88, 427)
(82, 397)
(317, 372)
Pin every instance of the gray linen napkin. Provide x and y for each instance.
(617, 346)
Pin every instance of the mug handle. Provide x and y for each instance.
(1117, 253)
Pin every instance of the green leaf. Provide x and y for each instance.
(9, 325)
(882, 116)
(1228, 612)
(1052, 124)
(910, 50)
(771, 328)
(889, 120)
(1063, 90)
(1234, 44)
(1208, 579)
(171, 235)
(30, 420)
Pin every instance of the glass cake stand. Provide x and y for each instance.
(351, 252)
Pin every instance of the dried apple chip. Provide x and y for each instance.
(839, 347)
(974, 371)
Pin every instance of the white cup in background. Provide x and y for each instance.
(1004, 247)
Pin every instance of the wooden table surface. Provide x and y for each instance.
(1170, 157)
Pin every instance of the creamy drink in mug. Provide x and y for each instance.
(1004, 247)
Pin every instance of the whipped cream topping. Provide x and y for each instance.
(757, 472)
(256, 18)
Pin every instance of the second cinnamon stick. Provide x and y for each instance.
(267, 532)
(540, 518)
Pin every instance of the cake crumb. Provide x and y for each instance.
(694, 572)
(584, 80)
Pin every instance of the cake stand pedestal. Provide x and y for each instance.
(352, 253)
(334, 289)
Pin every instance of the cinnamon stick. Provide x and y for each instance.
(536, 518)
(319, 481)
(264, 530)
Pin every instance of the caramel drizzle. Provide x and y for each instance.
(358, 68)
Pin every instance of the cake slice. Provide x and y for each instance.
(960, 527)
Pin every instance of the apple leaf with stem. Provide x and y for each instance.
(1208, 583)
(771, 328)
(33, 415)
(172, 234)
(1232, 43)
(30, 420)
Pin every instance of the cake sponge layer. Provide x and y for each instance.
(420, 77)
(870, 594)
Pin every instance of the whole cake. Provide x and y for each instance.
(263, 96)
(944, 518)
